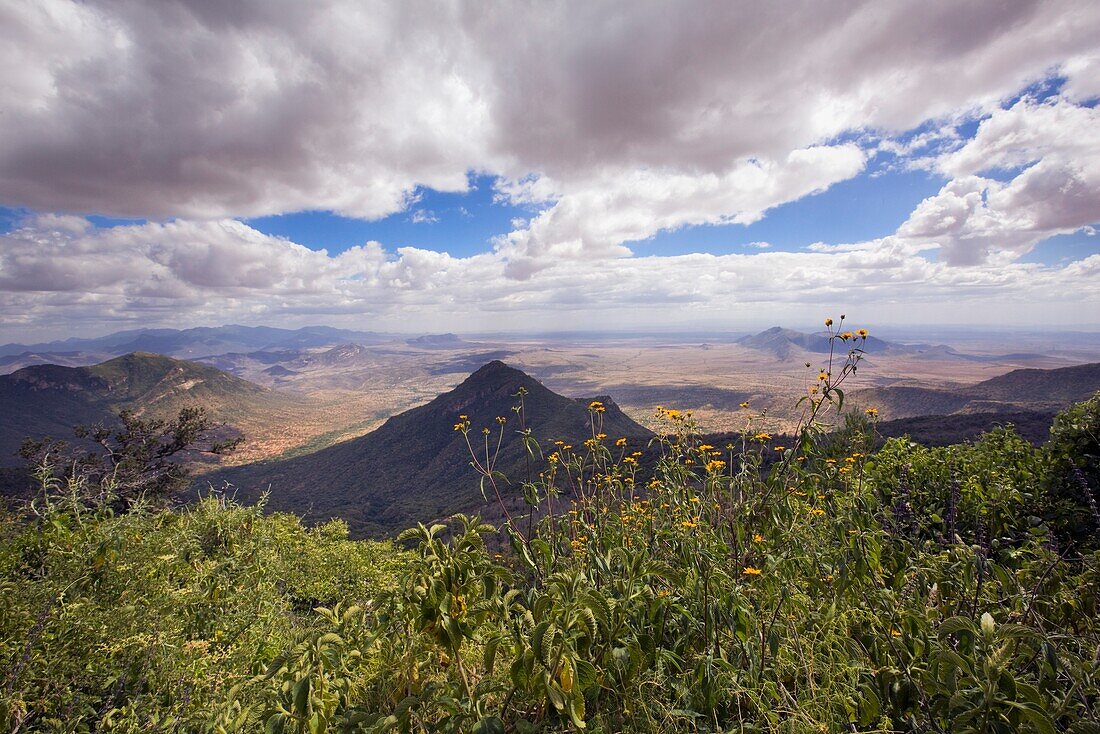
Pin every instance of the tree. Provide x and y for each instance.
(144, 459)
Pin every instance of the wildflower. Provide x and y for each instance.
(846, 335)
(817, 511)
(830, 461)
(873, 412)
(694, 499)
(459, 426)
(715, 465)
(501, 420)
(828, 322)
(895, 633)
(620, 442)
(486, 431)
(705, 447)
(822, 376)
(464, 417)
(688, 524)
(750, 571)
(594, 405)
(630, 460)
(636, 453)
(780, 448)
(663, 593)
(601, 436)
(762, 436)
(757, 538)
(862, 333)
(745, 405)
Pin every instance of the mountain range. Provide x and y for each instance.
(199, 341)
(788, 343)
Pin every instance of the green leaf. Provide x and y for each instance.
(301, 697)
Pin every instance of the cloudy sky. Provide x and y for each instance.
(476, 167)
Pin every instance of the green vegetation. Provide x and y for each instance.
(749, 587)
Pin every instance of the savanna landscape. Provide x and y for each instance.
(442, 367)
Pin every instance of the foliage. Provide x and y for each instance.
(1073, 459)
(152, 619)
(750, 587)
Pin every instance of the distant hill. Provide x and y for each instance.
(1023, 390)
(416, 466)
(202, 341)
(785, 343)
(437, 341)
(49, 400)
(945, 430)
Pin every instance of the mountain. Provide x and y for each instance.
(202, 341)
(416, 466)
(1023, 390)
(49, 400)
(438, 341)
(785, 343)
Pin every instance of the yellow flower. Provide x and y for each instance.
(745, 405)
(828, 322)
(630, 460)
(780, 448)
(757, 538)
(750, 571)
(871, 412)
(688, 524)
(817, 511)
(846, 335)
(620, 442)
(705, 447)
(595, 404)
(714, 466)
(830, 461)
(762, 436)
(862, 333)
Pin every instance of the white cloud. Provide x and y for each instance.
(205, 110)
(223, 271)
(1053, 148)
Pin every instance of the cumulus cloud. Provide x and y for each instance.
(203, 110)
(1053, 148)
(224, 271)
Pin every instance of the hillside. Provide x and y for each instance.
(416, 466)
(49, 400)
(1022, 390)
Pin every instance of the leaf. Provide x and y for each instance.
(540, 645)
(301, 697)
(491, 653)
(490, 725)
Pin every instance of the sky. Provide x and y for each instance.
(475, 167)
